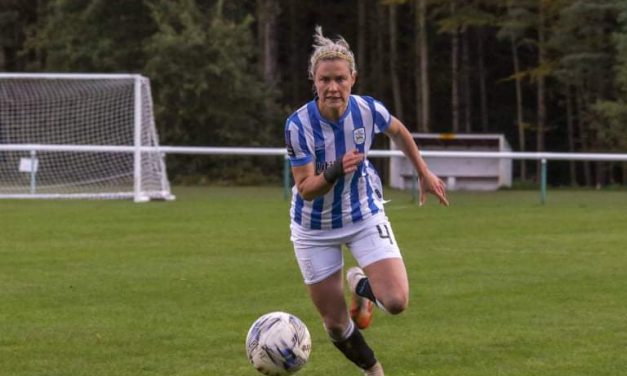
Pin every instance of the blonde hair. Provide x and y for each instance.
(327, 49)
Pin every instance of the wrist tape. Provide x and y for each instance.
(334, 172)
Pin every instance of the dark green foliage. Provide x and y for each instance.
(202, 77)
(582, 44)
(92, 35)
(206, 89)
(205, 60)
(200, 63)
(613, 113)
(16, 20)
(613, 125)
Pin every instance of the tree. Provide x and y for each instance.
(582, 41)
(613, 113)
(454, 31)
(422, 102)
(221, 69)
(541, 78)
(91, 36)
(513, 29)
(394, 58)
(267, 15)
(207, 89)
(17, 19)
(423, 87)
(483, 92)
(462, 18)
(361, 42)
(519, 23)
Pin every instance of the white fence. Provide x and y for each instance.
(247, 151)
(209, 150)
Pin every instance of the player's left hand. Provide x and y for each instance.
(429, 183)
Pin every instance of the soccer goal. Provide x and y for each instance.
(89, 136)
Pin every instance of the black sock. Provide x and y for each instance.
(363, 289)
(357, 350)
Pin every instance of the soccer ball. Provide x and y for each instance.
(278, 344)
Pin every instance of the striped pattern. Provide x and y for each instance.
(312, 139)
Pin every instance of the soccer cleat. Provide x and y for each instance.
(376, 370)
(361, 308)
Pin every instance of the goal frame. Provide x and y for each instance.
(138, 194)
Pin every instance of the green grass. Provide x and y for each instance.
(500, 285)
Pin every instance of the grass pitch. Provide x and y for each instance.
(500, 285)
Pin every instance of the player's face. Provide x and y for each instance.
(333, 81)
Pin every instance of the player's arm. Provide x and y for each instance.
(310, 185)
(428, 181)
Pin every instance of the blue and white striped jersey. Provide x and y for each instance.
(310, 138)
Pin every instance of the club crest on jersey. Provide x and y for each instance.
(359, 136)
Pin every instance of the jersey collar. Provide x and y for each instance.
(326, 121)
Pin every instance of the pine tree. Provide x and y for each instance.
(613, 127)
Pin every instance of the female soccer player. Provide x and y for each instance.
(337, 200)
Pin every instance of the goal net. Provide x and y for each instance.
(79, 136)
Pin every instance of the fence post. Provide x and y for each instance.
(543, 182)
(33, 171)
(414, 186)
(286, 178)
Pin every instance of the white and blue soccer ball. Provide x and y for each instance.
(278, 344)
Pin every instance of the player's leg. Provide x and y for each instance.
(383, 279)
(362, 301)
(387, 281)
(328, 297)
(321, 267)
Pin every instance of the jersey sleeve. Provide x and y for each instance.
(297, 149)
(381, 115)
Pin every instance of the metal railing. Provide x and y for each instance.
(543, 157)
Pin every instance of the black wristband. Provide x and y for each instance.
(334, 172)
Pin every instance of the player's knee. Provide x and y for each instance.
(396, 304)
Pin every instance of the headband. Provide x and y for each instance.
(334, 54)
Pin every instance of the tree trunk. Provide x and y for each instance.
(219, 8)
(593, 142)
(587, 173)
(541, 122)
(483, 92)
(571, 135)
(296, 71)
(425, 86)
(261, 30)
(39, 54)
(268, 12)
(600, 174)
(465, 71)
(417, 65)
(2, 60)
(396, 85)
(454, 76)
(361, 45)
(379, 71)
(520, 122)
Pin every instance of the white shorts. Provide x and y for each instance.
(319, 252)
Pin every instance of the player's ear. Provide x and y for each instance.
(354, 76)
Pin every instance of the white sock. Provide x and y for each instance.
(345, 334)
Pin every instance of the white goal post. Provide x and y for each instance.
(79, 136)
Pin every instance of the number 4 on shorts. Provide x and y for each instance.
(384, 232)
